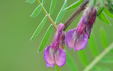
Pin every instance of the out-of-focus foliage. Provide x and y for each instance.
(74, 5)
(61, 12)
(31, 1)
(70, 62)
(93, 46)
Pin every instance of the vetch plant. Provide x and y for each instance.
(55, 54)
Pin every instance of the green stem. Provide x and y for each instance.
(99, 57)
(45, 12)
(57, 68)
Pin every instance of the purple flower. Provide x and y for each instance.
(53, 54)
(77, 38)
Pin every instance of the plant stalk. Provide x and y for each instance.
(45, 12)
(75, 14)
(99, 57)
(57, 68)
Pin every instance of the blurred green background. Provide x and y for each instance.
(18, 53)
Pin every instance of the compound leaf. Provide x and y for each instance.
(39, 28)
(45, 38)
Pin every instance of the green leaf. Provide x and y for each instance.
(110, 4)
(31, 1)
(43, 1)
(57, 68)
(70, 62)
(45, 38)
(95, 3)
(52, 6)
(102, 3)
(107, 59)
(90, 3)
(99, 11)
(83, 57)
(36, 11)
(103, 38)
(93, 46)
(111, 11)
(111, 51)
(39, 28)
(61, 12)
(108, 13)
(74, 5)
(96, 68)
(101, 8)
(103, 18)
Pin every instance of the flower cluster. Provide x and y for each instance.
(76, 38)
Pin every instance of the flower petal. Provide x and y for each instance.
(81, 41)
(88, 30)
(48, 65)
(62, 40)
(58, 34)
(48, 55)
(70, 41)
(60, 57)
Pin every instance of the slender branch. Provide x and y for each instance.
(57, 68)
(45, 12)
(75, 14)
(99, 57)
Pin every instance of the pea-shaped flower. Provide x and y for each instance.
(53, 54)
(77, 38)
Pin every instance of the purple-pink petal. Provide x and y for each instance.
(53, 57)
(76, 40)
(48, 55)
(48, 65)
(88, 30)
(81, 41)
(60, 57)
(90, 23)
(62, 41)
(70, 40)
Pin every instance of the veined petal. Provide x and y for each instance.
(49, 55)
(93, 17)
(60, 57)
(70, 38)
(81, 41)
(87, 14)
